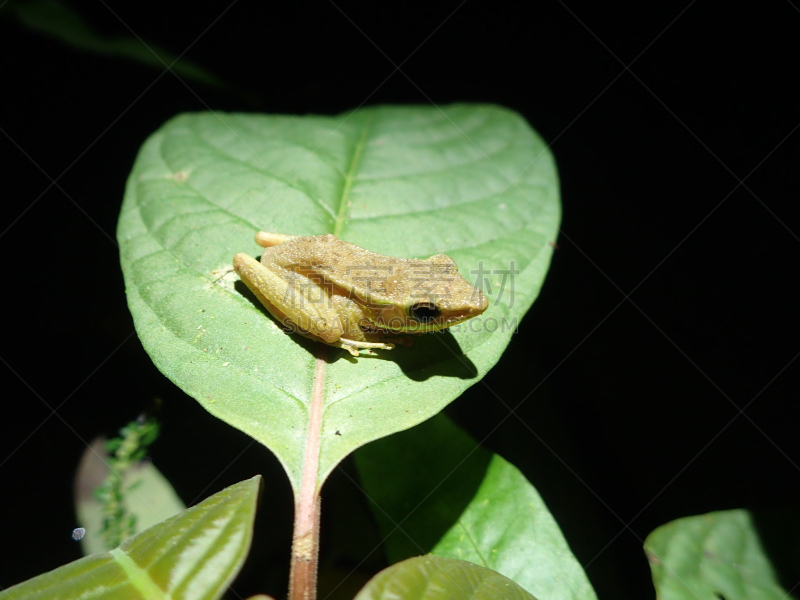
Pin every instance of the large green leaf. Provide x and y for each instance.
(452, 498)
(472, 181)
(191, 556)
(437, 578)
(715, 556)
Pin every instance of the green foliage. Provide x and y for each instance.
(715, 556)
(58, 20)
(437, 578)
(435, 490)
(191, 556)
(124, 451)
(144, 494)
(472, 181)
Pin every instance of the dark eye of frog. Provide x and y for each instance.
(423, 312)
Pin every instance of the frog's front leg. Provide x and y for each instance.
(293, 299)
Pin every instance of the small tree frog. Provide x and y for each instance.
(332, 291)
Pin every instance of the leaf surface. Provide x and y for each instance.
(450, 497)
(472, 181)
(191, 556)
(715, 556)
(437, 578)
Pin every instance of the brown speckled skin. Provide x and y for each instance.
(344, 295)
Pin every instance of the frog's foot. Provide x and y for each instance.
(353, 346)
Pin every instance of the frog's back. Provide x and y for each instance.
(369, 275)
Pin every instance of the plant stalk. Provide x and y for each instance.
(305, 552)
(305, 542)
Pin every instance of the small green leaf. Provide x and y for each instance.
(472, 181)
(450, 497)
(149, 496)
(58, 20)
(717, 556)
(437, 578)
(191, 556)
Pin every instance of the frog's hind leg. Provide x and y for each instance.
(268, 240)
(294, 300)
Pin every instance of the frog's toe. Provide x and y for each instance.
(353, 350)
(352, 346)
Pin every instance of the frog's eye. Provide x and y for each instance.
(423, 312)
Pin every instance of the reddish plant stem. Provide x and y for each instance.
(305, 542)
(305, 550)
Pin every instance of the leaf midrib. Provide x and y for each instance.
(350, 177)
(138, 576)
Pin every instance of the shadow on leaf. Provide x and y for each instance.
(432, 354)
(436, 471)
(435, 354)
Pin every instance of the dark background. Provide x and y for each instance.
(662, 347)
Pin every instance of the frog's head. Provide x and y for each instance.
(435, 297)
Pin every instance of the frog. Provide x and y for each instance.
(332, 291)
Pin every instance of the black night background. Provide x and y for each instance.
(663, 346)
